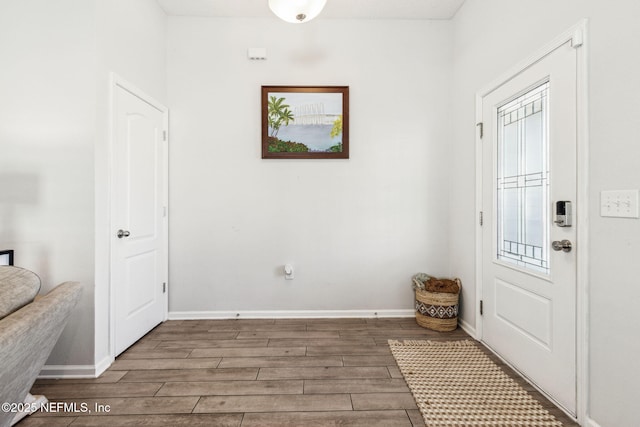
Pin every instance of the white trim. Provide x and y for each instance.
(289, 314)
(467, 327)
(578, 35)
(523, 65)
(116, 81)
(68, 371)
(76, 371)
(582, 255)
(478, 322)
(103, 365)
(166, 211)
(590, 423)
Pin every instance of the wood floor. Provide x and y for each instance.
(246, 373)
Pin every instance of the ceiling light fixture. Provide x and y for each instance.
(296, 11)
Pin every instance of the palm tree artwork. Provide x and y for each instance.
(278, 114)
(304, 122)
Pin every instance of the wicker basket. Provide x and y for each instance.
(437, 311)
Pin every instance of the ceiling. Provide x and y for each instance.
(335, 9)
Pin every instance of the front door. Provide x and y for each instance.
(139, 219)
(528, 252)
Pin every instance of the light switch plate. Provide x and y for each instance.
(619, 203)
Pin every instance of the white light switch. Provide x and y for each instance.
(619, 203)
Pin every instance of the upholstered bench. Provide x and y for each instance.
(28, 331)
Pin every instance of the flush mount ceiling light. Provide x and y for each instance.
(296, 11)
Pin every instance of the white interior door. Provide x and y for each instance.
(139, 216)
(528, 165)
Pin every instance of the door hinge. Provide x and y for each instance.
(481, 218)
(164, 287)
(164, 135)
(481, 308)
(481, 126)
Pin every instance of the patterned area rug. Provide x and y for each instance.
(456, 384)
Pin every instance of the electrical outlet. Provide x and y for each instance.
(619, 203)
(288, 272)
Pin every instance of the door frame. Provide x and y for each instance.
(577, 35)
(118, 82)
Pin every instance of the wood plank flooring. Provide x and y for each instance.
(248, 373)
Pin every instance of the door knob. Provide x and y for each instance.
(123, 233)
(561, 245)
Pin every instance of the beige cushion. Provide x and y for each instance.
(26, 339)
(18, 287)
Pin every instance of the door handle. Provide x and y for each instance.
(123, 233)
(561, 245)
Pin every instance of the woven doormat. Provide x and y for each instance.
(455, 384)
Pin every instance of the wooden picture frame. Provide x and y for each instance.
(305, 122)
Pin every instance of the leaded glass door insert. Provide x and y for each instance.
(523, 181)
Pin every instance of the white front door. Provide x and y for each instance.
(528, 166)
(139, 216)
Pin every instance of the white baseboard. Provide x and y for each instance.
(590, 423)
(75, 371)
(289, 314)
(467, 328)
(103, 365)
(68, 371)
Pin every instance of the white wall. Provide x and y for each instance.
(47, 121)
(56, 59)
(490, 36)
(355, 230)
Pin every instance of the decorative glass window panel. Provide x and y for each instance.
(523, 181)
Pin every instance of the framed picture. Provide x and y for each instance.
(6, 257)
(305, 122)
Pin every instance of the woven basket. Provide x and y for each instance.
(437, 311)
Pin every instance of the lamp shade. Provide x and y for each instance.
(297, 11)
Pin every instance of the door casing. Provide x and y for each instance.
(578, 36)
